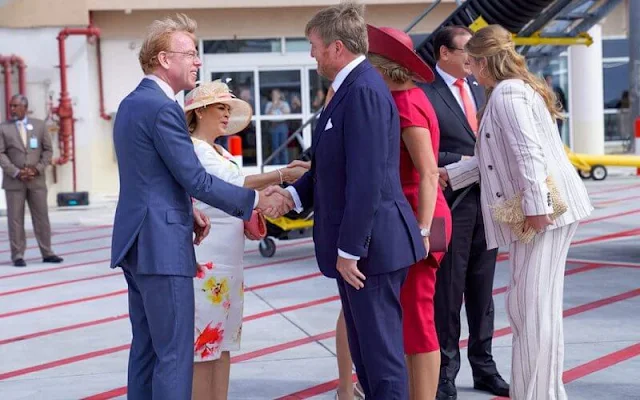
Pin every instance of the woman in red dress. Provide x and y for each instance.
(391, 52)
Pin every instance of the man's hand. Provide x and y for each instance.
(444, 178)
(201, 226)
(427, 245)
(275, 202)
(27, 173)
(350, 272)
(537, 222)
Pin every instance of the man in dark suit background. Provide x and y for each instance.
(365, 233)
(25, 153)
(468, 268)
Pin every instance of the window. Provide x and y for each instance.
(273, 45)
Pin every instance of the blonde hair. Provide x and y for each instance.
(390, 69)
(344, 22)
(159, 39)
(494, 44)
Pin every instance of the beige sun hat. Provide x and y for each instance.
(214, 93)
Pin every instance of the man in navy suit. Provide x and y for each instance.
(467, 269)
(365, 233)
(154, 221)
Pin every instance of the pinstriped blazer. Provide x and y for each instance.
(518, 146)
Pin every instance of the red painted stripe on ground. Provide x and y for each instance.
(610, 236)
(283, 282)
(242, 357)
(290, 308)
(601, 363)
(49, 285)
(62, 304)
(614, 201)
(596, 365)
(332, 385)
(64, 361)
(69, 253)
(71, 241)
(31, 235)
(616, 189)
(605, 217)
(63, 329)
(119, 292)
(278, 262)
(40, 271)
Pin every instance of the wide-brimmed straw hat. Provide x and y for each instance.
(217, 92)
(397, 46)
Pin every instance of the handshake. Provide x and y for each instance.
(275, 201)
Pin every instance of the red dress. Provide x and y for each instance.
(417, 292)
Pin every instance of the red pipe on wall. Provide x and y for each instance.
(6, 64)
(64, 110)
(22, 76)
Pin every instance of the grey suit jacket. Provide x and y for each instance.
(14, 155)
(518, 147)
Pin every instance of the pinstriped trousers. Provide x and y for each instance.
(534, 307)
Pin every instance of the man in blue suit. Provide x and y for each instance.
(154, 221)
(365, 233)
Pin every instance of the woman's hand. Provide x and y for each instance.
(295, 170)
(444, 178)
(537, 222)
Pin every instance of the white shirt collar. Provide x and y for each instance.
(344, 72)
(447, 78)
(163, 85)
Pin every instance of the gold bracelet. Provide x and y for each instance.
(280, 173)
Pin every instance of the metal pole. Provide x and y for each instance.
(420, 17)
(634, 67)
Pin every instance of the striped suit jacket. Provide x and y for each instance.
(518, 146)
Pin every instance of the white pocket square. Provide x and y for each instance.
(329, 125)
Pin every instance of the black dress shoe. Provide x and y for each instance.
(446, 390)
(52, 259)
(19, 263)
(493, 384)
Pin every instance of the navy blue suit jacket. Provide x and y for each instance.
(354, 183)
(159, 171)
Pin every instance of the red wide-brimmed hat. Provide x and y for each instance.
(397, 46)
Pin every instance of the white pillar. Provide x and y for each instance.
(586, 104)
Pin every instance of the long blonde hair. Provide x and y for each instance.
(494, 44)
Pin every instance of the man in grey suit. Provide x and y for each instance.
(154, 222)
(25, 153)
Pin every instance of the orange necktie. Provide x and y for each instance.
(467, 104)
(330, 94)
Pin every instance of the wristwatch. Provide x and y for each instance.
(425, 232)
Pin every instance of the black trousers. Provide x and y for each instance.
(466, 272)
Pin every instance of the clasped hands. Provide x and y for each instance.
(27, 173)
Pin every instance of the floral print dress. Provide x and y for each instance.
(219, 291)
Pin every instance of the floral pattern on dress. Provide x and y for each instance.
(217, 290)
(208, 340)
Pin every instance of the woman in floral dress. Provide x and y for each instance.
(212, 111)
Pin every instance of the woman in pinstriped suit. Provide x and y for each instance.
(518, 147)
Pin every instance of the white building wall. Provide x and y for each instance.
(96, 169)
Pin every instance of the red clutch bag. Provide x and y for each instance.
(438, 239)
(256, 227)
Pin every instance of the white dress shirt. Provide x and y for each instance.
(172, 95)
(335, 85)
(450, 81)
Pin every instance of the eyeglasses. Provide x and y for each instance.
(190, 54)
(456, 48)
